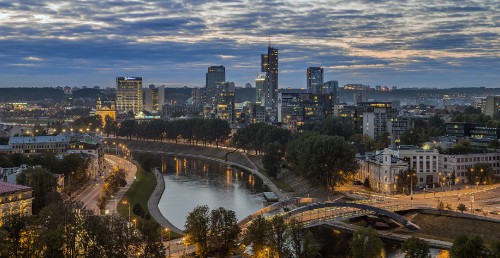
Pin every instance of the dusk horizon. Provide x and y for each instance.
(408, 44)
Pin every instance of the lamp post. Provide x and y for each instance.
(135, 224)
(185, 245)
(125, 202)
(267, 252)
(168, 231)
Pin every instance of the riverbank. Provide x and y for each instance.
(153, 202)
(237, 159)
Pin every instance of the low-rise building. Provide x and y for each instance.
(453, 168)
(382, 170)
(424, 162)
(14, 200)
(34, 145)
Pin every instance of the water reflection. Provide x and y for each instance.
(191, 182)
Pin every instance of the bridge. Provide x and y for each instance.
(318, 213)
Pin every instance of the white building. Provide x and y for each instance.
(381, 170)
(424, 162)
(377, 119)
(454, 167)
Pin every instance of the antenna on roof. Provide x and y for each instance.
(269, 37)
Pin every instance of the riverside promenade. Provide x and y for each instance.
(155, 199)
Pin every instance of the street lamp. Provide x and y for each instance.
(185, 244)
(135, 224)
(125, 202)
(168, 231)
(267, 252)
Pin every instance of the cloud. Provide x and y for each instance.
(382, 41)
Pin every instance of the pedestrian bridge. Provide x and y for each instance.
(317, 213)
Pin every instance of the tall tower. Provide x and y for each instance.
(269, 65)
(129, 94)
(314, 79)
(215, 76)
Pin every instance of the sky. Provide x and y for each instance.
(406, 43)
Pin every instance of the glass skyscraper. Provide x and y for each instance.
(269, 65)
(315, 80)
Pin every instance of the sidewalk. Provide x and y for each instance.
(130, 170)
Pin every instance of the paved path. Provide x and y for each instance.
(130, 170)
(153, 204)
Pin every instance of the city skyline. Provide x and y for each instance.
(408, 44)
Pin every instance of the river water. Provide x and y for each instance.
(191, 182)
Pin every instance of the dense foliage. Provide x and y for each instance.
(64, 229)
(213, 233)
(257, 136)
(415, 247)
(481, 173)
(280, 238)
(365, 243)
(327, 160)
(196, 130)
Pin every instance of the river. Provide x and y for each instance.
(191, 182)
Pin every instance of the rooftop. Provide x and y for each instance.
(37, 139)
(8, 187)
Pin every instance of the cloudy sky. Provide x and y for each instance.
(408, 43)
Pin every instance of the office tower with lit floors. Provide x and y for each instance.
(269, 65)
(129, 94)
(315, 80)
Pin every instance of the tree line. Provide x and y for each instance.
(216, 233)
(192, 131)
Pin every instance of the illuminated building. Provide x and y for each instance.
(224, 106)
(298, 106)
(454, 168)
(104, 111)
(424, 161)
(269, 65)
(377, 118)
(34, 145)
(129, 94)
(492, 107)
(215, 76)
(259, 89)
(382, 170)
(154, 98)
(315, 80)
(14, 200)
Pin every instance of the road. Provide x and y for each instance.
(90, 195)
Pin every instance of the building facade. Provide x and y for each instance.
(315, 80)
(14, 200)
(453, 168)
(269, 66)
(382, 170)
(377, 118)
(424, 162)
(492, 106)
(129, 94)
(35, 145)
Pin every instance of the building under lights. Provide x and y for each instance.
(129, 94)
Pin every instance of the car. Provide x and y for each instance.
(495, 212)
(478, 209)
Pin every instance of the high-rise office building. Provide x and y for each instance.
(129, 94)
(215, 76)
(259, 89)
(269, 65)
(315, 80)
(154, 98)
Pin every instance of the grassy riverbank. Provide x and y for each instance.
(448, 228)
(140, 192)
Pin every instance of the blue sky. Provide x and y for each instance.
(408, 43)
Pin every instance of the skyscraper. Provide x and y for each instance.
(215, 76)
(259, 89)
(269, 65)
(331, 88)
(129, 94)
(315, 80)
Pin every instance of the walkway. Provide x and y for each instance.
(153, 204)
(130, 170)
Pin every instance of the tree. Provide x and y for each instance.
(461, 207)
(481, 173)
(278, 237)
(366, 244)
(257, 235)
(302, 241)
(327, 160)
(42, 182)
(224, 232)
(406, 181)
(495, 249)
(413, 136)
(415, 247)
(197, 225)
(272, 159)
(465, 247)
